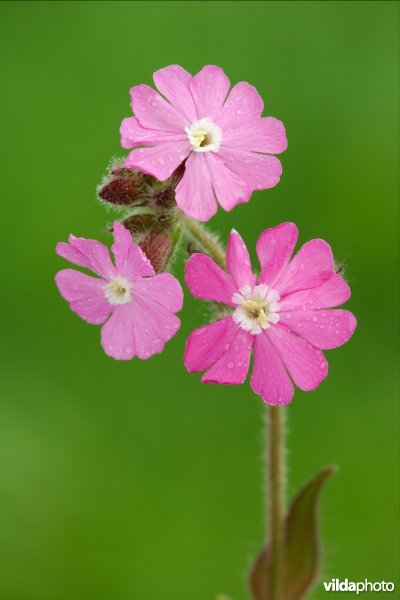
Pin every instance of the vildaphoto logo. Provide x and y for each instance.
(336, 585)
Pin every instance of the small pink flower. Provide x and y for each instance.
(281, 315)
(226, 142)
(141, 303)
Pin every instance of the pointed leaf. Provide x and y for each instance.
(301, 549)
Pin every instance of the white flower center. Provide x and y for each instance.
(257, 309)
(204, 136)
(118, 291)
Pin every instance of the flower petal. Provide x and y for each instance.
(324, 329)
(238, 261)
(130, 259)
(259, 135)
(161, 160)
(306, 364)
(85, 295)
(74, 285)
(194, 193)
(310, 267)
(269, 378)
(173, 82)
(334, 292)
(138, 330)
(154, 323)
(228, 187)
(274, 249)
(163, 289)
(153, 112)
(132, 134)
(207, 344)
(232, 367)
(260, 171)
(117, 335)
(88, 253)
(208, 281)
(243, 104)
(209, 87)
(69, 253)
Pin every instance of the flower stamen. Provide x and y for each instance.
(118, 291)
(201, 138)
(204, 136)
(257, 308)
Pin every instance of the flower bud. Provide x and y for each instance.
(122, 186)
(157, 246)
(163, 197)
(138, 224)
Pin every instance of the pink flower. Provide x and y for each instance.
(141, 303)
(281, 315)
(226, 142)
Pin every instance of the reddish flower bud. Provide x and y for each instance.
(137, 224)
(122, 186)
(157, 246)
(163, 197)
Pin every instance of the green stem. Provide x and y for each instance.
(199, 233)
(176, 241)
(276, 479)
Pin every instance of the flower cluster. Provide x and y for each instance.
(193, 145)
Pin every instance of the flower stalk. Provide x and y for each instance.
(276, 481)
(199, 233)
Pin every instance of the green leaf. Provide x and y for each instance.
(301, 546)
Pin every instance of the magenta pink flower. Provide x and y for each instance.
(281, 315)
(141, 303)
(226, 142)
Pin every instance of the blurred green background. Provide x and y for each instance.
(131, 480)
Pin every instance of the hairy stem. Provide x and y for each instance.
(199, 233)
(276, 478)
(176, 241)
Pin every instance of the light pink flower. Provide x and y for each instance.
(226, 142)
(141, 303)
(281, 315)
